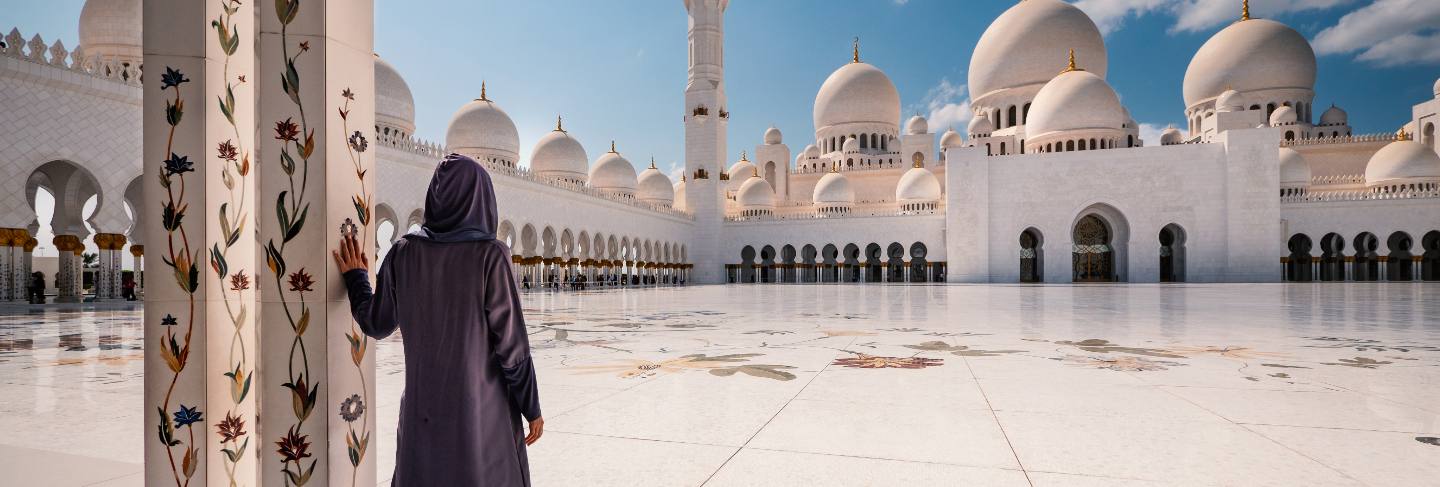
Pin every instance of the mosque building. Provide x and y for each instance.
(1049, 182)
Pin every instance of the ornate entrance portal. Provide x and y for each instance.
(1094, 258)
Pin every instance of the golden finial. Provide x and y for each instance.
(743, 156)
(754, 172)
(1245, 10)
(855, 55)
(1072, 66)
(1401, 135)
(482, 92)
(612, 147)
(835, 167)
(559, 124)
(652, 162)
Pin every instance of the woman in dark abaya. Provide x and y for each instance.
(468, 373)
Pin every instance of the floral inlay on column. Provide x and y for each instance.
(353, 409)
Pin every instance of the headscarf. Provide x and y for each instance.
(460, 204)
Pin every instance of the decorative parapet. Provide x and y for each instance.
(1344, 139)
(808, 211)
(1361, 195)
(412, 145)
(57, 56)
(1338, 179)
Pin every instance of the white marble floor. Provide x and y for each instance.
(873, 385)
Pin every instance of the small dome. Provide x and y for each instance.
(1026, 44)
(951, 139)
(857, 93)
(772, 136)
(655, 187)
(850, 145)
(612, 172)
(1294, 169)
(740, 170)
(1437, 88)
(1229, 101)
(482, 127)
(1171, 136)
(917, 125)
(1283, 116)
(113, 28)
(394, 104)
(1075, 100)
(756, 194)
(1248, 56)
(1334, 116)
(980, 126)
(918, 185)
(1403, 162)
(811, 151)
(679, 188)
(833, 189)
(558, 155)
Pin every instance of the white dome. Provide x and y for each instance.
(1171, 136)
(679, 189)
(857, 93)
(1437, 88)
(951, 139)
(1403, 161)
(1230, 101)
(833, 189)
(1028, 43)
(773, 136)
(850, 145)
(917, 125)
(1283, 116)
(1334, 116)
(113, 28)
(812, 151)
(1250, 55)
(611, 172)
(558, 155)
(394, 104)
(482, 126)
(655, 187)
(755, 194)
(980, 126)
(1075, 100)
(918, 185)
(1294, 169)
(740, 170)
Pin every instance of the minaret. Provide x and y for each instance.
(705, 140)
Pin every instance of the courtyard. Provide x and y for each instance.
(1233, 384)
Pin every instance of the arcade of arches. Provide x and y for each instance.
(1359, 258)
(835, 264)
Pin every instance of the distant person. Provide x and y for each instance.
(128, 292)
(468, 373)
(37, 288)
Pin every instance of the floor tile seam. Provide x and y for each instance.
(1338, 428)
(888, 459)
(611, 393)
(1302, 454)
(1377, 396)
(636, 438)
(1005, 434)
(131, 474)
(773, 416)
(1267, 438)
(1094, 475)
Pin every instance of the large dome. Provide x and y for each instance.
(1334, 116)
(1250, 55)
(1294, 170)
(918, 185)
(611, 172)
(113, 28)
(857, 93)
(655, 187)
(1027, 43)
(558, 155)
(833, 189)
(480, 127)
(1075, 100)
(394, 104)
(756, 194)
(1403, 162)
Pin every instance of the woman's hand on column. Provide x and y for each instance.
(350, 257)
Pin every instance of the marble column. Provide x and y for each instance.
(107, 279)
(138, 252)
(27, 265)
(317, 183)
(199, 175)
(8, 275)
(69, 270)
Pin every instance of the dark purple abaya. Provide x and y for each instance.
(468, 374)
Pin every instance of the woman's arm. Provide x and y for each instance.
(374, 312)
(506, 326)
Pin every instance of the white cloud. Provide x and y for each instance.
(901, 2)
(1150, 133)
(1194, 15)
(1387, 33)
(947, 106)
(1110, 15)
(675, 170)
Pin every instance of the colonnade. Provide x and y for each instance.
(574, 273)
(883, 272)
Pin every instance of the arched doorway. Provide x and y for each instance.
(787, 266)
(896, 265)
(1400, 263)
(918, 265)
(767, 264)
(1092, 255)
(747, 265)
(1332, 258)
(807, 265)
(830, 272)
(1366, 266)
(852, 263)
(872, 263)
(1172, 253)
(1430, 261)
(1032, 256)
(1297, 269)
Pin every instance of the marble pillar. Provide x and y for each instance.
(8, 275)
(27, 265)
(69, 269)
(107, 277)
(199, 175)
(138, 252)
(317, 183)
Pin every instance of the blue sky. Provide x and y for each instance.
(616, 69)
